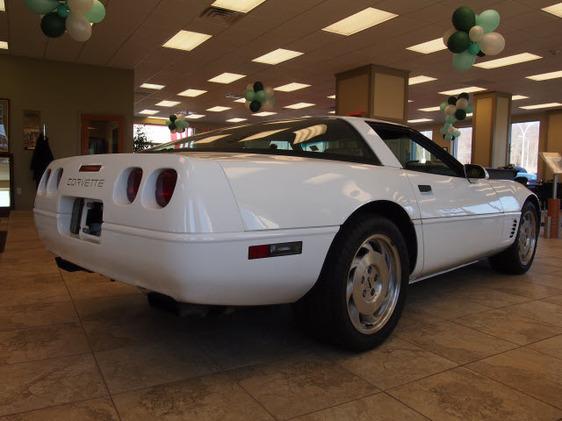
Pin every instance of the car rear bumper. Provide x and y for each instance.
(195, 268)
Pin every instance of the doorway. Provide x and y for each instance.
(102, 134)
(6, 178)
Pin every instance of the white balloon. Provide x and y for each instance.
(447, 35)
(80, 6)
(476, 33)
(462, 103)
(450, 109)
(78, 27)
(492, 44)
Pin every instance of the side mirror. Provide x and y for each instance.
(473, 171)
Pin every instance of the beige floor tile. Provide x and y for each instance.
(83, 285)
(540, 311)
(379, 407)
(54, 292)
(150, 365)
(92, 410)
(115, 309)
(33, 315)
(455, 342)
(524, 287)
(41, 343)
(395, 362)
(208, 398)
(557, 299)
(289, 389)
(39, 384)
(528, 371)
(552, 280)
(551, 346)
(445, 305)
(461, 394)
(509, 326)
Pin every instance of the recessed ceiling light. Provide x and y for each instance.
(240, 100)
(428, 47)
(168, 103)
(420, 79)
(331, 96)
(430, 109)
(331, 112)
(242, 6)
(539, 106)
(154, 86)
(218, 109)
(195, 116)
(420, 120)
(546, 76)
(518, 97)
(226, 78)
(192, 93)
(277, 56)
(186, 40)
(265, 114)
(299, 105)
(468, 90)
(555, 9)
(360, 21)
(236, 120)
(149, 112)
(508, 61)
(290, 87)
(3, 45)
(410, 100)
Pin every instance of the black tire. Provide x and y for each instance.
(324, 310)
(510, 260)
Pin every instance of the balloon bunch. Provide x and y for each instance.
(177, 123)
(72, 16)
(257, 97)
(455, 109)
(473, 35)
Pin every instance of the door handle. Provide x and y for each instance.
(424, 188)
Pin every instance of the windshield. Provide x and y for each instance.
(327, 138)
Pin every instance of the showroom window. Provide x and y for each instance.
(524, 149)
(427, 133)
(156, 134)
(462, 146)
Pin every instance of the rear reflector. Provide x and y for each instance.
(133, 183)
(90, 168)
(165, 185)
(274, 250)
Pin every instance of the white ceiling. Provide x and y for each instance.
(134, 30)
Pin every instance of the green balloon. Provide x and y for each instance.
(474, 48)
(53, 25)
(42, 6)
(464, 18)
(458, 42)
(261, 96)
(443, 105)
(97, 13)
(489, 20)
(181, 124)
(463, 61)
(63, 11)
(450, 119)
(250, 95)
(469, 109)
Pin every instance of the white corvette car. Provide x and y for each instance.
(337, 215)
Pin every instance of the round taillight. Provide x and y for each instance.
(165, 185)
(59, 176)
(133, 183)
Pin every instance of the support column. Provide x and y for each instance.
(491, 129)
(373, 91)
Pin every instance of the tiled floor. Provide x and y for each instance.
(471, 345)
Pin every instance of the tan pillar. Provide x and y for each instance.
(373, 91)
(491, 129)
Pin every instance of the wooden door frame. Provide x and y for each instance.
(85, 118)
(10, 156)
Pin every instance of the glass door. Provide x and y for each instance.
(102, 134)
(6, 177)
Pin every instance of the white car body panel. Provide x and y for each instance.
(196, 248)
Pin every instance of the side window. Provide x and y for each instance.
(415, 153)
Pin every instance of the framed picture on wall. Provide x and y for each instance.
(31, 128)
(4, 124)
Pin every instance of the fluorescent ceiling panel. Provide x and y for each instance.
(195, 116)
(186, 40)
(261, 135)
(360, 21)
(420, 120)
(299, 105)
(192, 93)
(468, 90)
(508, 61)
(3, 45)
(331, 112)
(304, 135)
(410, 100)
(428, 47)
(2, 6)
(420, 79)
(211, 139)
(240, 100)
(265, 114)
(539, 106)
(168, 103)
(153, 86)
(277, 56)
(555, 9)
(518, 97)
(331, 96)
(430, 109)
(546, 76)
(236, 120)
(290, 87)
(226, 78)
(242, 6)
(149, 112)
(218, 109)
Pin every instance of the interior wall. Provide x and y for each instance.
(61, 92)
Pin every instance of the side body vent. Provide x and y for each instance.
(513, 229)
(216, 13)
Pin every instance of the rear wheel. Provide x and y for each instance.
(518, 258)
(358, 299)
